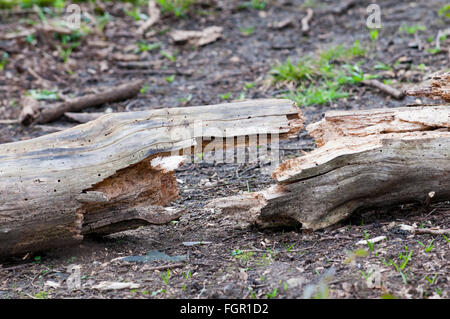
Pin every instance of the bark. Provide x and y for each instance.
(116, 172)
(367, 160)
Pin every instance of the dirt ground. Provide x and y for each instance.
(217, 260)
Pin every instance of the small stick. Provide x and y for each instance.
(305, 21)
(432, 231)
(385, 88)
(115, 94)
(164, 267)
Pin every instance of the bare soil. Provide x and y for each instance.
(230, 262)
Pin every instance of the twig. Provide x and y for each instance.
(115, 94)
(305, 21)
(433, 231)
(164, 267)
(385, 88)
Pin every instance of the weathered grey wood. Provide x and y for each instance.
(338, 124)
(108, 175)
(361, 167)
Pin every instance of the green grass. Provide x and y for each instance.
(4, 60)
(43, 94)
(444, 11)
(179, 8)
(247, 31)
(144, 46)
(412, 29)
(321, 79)
(253, 4)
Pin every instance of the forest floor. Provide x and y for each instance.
(210, 258)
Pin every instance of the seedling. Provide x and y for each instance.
(145, 88)
(427, 248)
(249, 85)
(187, 275)
(41, 295)
(43, 94)
(382, 66)
(177, 7)
(289, 248)
(168, 56)
(236, 252)
(248, 187)
(366, 276)
(273, 294)
(166, 277)
(374, 34)
(431, 281)
(444, 11)
(4, 60)
(247, 31)
(136, 14)
(412, 29)
(225, 96)
(170, 78)
(446, 238)
(143, 46)
(255, 4)
(369, 243)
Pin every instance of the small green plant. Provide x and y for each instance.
(369, 243)
(185, 100)
(170, 78)
(273, 294)
(136, 14)
(316, 95)
(373, 34)
(236, 252)
(433, 50)
(225, 96)
(41, 295)
(4, 60)
(289, 248)
(179, 8)
(446, 238)
(144, 46)
(247, 31)
(145, 88)
(248, 187)
(444, 11)
(37, 259)
(43, 94)
(165, 277)
(249, 85)
(428, 247)
(431, 280)
(171, 57)
(366, 276)
(187, 275)
(412, 29)
(255, 4)
(388, 296)
(382, 66)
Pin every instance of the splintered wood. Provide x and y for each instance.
(116, 172)
(366, 159)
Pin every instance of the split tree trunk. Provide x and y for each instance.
(366, 159)
(115, 173)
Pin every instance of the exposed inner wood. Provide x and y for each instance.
(439, 87)
(366, 159)
(116, 172)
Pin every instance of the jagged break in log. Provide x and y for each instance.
(367, 159)
(115, 173)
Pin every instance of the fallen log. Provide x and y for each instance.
(439, 87)
(367, 159)
(116, 172)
